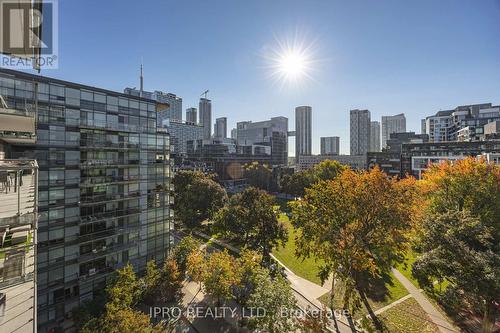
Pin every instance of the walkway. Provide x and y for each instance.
(438, 319)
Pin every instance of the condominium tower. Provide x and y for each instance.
(303, 131)
(103, 187)
(375, 136)
(205, 108)
(220, 128)
(191, 115)
(392, 124)
(330, 145)
(359, 132)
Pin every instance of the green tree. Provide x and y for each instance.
(196, 266)
(297, 183)
(359, 224)
(276, 298)
(460, 240)
(259, 175)
(248, 266)
(127, 320)
(183, 249)
(196, 197)
(315, 322)
(150, 282)
(124, 290)
(252, 219)
(170, 281)
(220, 276)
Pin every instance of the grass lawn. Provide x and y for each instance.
(386, 292)
(307, 268)
(407, 317)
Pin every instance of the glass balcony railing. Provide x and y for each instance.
(18, 225)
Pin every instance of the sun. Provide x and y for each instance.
(293, 65)
(291, 62)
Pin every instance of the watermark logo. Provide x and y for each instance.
(29, 34)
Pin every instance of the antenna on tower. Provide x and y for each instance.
(142, 81)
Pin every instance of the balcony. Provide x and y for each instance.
(18, 224)
(16, 126)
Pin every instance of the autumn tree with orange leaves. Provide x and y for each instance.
(359, 224)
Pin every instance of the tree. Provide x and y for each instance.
(275, 297)
(127, 320)
(299, 181)
(196, 197)
(359, 224)
(251, 218)
(460, 240)
(170, 281)
(259, 175)
(182, 250)
(124, 290)
(248, 266)
(220, 275)
(150, 282)
(196, 266)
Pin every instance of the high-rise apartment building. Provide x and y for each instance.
(330, 145)
(359, 132)
(303, 131)
(273, 133)
(205, 108)
(182, 134)
(171, 103)
(220, 128)
(191, 115)
(374, 136)
(392, 124)
(447, 125)
(103, 186)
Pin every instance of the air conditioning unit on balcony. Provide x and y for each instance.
(92, 271)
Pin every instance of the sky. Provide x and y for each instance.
(415, 57)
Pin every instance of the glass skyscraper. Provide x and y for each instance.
(103, 186)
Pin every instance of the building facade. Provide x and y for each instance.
(354, 161)
(205, 108)
(170, 105)
(220, 128)
(416, 157)
(303, 130)
(272, 133)
(181, 133)
(463, 123)
(360, 126)
(392, 124)
(103, 187)
(192, 115)
(374, 136)
(330, 145)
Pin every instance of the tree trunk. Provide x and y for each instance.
(489, 317)
(373, 316)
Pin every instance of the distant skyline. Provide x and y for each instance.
(390, 57)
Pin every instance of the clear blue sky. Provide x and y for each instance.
(414, 57)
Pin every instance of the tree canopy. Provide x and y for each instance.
(460, 238)
(251, 218)
(359, 224)
(196, 197)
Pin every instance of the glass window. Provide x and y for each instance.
(57, 90)
(123, 102)
(87, 95)
(99, 98)
(112, 100)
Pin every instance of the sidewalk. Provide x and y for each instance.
(438, 319)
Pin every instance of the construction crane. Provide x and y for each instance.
(204, 94)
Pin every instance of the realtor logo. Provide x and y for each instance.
(28, 34)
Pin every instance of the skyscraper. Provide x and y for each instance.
(330, 145)
(205, 107)
(303, 131)
(191, 115)
(103, 186)
(375, 136)
(360, 132)
(392, 124)
(220, 128)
